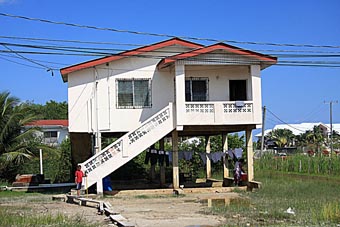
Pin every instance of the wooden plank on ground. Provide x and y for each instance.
(107, 205)
(109, 211)
(121, 220)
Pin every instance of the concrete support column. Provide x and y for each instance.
(207, 150)
(175, 168)
(99, 185)
(180, 95)
(162, 167)
(225, 159)
(250, 155)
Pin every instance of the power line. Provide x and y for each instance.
(140, 45)
(70, 41)
(91, 50)
(50, 62)
(27, 59)
(296, 64)
(162, 35)
(88, 51)
(99, 51)
(283, 121)
(21, 63)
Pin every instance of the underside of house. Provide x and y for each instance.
(170, 89)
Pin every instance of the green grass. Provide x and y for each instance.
(19, 214)
(314, 200)
(21, 218)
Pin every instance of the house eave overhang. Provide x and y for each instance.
(88, 64)
(264, 60)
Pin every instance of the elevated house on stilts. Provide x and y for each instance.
(169, 89)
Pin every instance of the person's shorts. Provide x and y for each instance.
(78, 187)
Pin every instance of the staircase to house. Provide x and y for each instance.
(128, 146)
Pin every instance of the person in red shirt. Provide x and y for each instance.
(79, 179)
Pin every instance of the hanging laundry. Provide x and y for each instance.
(170, 156)
(167, 158)
(216, 156)
(231, 154)
(161, 156)
(203, 157)
(187, 155)
(180, 155)
(154, 156)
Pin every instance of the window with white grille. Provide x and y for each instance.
(133, 93)
(196, 89)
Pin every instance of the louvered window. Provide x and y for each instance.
(133, 93)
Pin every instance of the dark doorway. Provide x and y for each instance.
(238, 90)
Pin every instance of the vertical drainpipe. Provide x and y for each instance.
(99, 182)
(97, 133)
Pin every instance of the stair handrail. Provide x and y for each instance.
(117, 146)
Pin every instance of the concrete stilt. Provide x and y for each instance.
(175, 168)
(225, 158)
(162, 167)
(207, 150)
(99, 185)
(250, 155)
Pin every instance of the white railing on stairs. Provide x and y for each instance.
(128, 146)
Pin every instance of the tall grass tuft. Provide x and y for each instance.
(314, 200)
(330, 212)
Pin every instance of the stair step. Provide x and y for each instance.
(74, 192)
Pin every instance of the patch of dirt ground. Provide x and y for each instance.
(165, 210)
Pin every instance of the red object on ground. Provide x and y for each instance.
(244, 177)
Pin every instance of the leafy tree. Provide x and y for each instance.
(315, 138)
(50, 111)
(282, 137)
(54, 110)
(64, 173)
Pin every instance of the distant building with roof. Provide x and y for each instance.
(298, 129)
(52, 132)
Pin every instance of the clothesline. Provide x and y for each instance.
(187, 155)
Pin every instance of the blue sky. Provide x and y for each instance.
(294, 94)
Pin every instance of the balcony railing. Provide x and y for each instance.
(217, 113)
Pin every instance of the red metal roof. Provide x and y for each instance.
(219, 46)
(99, 61)
(49, 122)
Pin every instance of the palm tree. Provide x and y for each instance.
(312, 139)
(282, 137)
(315, 137)
(15, 142)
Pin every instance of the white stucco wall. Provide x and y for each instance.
(88, 98)
(219, 77)
(62, 133)
(92, 91)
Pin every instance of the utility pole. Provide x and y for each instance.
(263, 122)
(331, 122)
